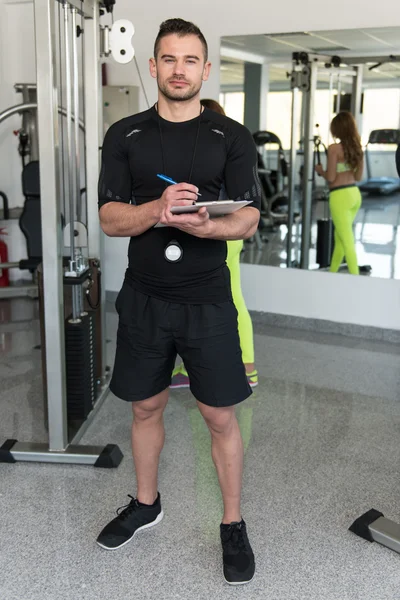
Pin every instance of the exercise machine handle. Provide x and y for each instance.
(6, 209)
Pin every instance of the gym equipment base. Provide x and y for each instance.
(108, 457)
(374, 527)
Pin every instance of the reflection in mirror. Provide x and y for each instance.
(287, 88)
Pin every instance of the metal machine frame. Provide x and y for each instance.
(304, 80)
(29, 290)
(59, 448)
(374, 527)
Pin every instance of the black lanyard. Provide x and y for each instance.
(162, 144)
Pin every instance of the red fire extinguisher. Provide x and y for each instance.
(4, 277)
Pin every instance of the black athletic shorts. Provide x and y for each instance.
(152, 332)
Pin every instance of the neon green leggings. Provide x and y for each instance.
(344, 204)
(245, 325)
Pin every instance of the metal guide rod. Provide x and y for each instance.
(292, 175)
(71, 166)
(356, 95)
(85, 8)
(68, 180)
(94, 137)
(51, 228)
(330, 107)
(77, 197)
(339, 91)
(308, 98)
(77, 290)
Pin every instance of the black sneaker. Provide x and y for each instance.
(133, 517)
(238, 557)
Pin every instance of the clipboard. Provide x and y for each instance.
(216, 208)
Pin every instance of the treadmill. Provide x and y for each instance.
(382, 186)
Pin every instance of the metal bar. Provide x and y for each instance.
(85, 8)
(387, 533)
(78, 201)
(50, 217)
(60, 82)
(63, 112)
(70, 190)
(83, 159)
(94, 138)
(292, 175)
(9, 265)
(34, 452)
(303, 118)
(264, 95)
(19, 108)
(94, 131)
(358, 60)
(19, 87)
(339, 91)
(344, 73)
(367, 162)
(357, 95)
(308, 98)
(330, 107)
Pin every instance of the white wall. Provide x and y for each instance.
(294, 292)
(319, 295)
(17, 65)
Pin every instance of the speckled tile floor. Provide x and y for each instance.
(322, 435)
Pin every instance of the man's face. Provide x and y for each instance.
(180, 68)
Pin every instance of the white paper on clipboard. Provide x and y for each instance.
(218, 208)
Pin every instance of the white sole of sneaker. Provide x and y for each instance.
(253, 385)
(153, 524)
(238, 582)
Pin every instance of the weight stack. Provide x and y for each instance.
(80, 354)
(324, 242)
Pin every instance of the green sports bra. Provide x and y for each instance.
(342, 167)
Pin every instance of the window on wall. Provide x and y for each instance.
(381, 111)
(233, 104)
(279, 111)
(279, 115)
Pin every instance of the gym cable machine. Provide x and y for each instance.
(73, 317)
(303, 78)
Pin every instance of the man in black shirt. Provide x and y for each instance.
(176, 295)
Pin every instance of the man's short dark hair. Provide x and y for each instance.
(180, 28)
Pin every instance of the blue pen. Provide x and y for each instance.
(169, 180)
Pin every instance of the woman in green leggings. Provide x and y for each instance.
(180, 377)
(344, 168)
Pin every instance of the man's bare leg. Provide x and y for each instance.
(227, 453)
(148, 436)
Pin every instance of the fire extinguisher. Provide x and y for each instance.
(4, 277)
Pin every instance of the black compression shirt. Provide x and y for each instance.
(131, 158)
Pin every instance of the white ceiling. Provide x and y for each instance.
(277, 49)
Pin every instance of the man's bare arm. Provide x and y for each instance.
(119, 219)
(239, 225)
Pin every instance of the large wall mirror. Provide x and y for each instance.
(286, 88)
